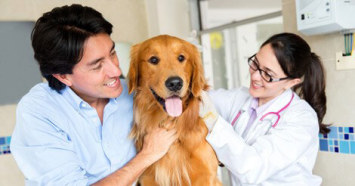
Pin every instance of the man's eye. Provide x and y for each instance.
(113, 53)
(97, 67)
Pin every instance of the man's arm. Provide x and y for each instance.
(156, 145)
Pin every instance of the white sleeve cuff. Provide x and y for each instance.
(223, 134)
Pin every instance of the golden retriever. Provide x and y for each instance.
(166, 76)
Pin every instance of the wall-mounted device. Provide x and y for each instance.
(325, 16)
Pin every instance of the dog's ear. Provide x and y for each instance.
(133, 69)
(198, 82)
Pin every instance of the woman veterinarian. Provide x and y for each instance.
(268, 135)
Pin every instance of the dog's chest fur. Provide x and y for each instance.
(191, 131)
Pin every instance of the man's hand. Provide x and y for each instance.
(207, 111)
(157, 143)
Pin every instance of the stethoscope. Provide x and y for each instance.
(269, 113)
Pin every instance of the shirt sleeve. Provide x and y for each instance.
(43, 151)
(269, 154)
(227, 102)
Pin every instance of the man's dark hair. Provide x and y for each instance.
(58, 39)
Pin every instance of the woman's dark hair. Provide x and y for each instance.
(297, 61)
(58, 39)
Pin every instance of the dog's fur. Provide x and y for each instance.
(190, 160)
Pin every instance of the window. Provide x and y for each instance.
(225, 51)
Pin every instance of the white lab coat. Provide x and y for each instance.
(284, 155)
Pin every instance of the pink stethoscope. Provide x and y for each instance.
(269, 113)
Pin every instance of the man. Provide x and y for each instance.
(75, 128)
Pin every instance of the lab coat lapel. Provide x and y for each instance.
(259, 128)
(242, 121)
(280, 102)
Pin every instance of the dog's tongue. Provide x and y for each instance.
(173, 106)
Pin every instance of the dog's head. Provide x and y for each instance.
(170, 68)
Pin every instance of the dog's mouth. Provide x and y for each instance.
(172, 105)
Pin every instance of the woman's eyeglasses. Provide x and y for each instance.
(254, 65)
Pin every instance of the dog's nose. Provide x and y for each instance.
(174, 83)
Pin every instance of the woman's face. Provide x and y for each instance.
(260, 88)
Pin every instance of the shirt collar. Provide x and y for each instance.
(73, 98)
(259, 110)
(77, 102)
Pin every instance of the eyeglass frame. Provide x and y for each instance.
(254, 60)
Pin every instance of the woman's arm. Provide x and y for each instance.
(270, 153)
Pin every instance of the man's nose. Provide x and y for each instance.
(113, 69)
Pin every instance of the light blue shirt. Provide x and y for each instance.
(59, 139)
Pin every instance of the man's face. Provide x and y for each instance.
(97, 74)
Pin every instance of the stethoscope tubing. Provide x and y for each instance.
(269, 113)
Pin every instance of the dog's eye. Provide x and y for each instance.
(181, 58)
(153, 60)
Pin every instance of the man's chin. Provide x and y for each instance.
(112, 93)
(117, 92)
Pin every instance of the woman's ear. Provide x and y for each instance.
(64, 78)
(132, 75)
(292, 83)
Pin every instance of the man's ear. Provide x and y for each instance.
(63, 78)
